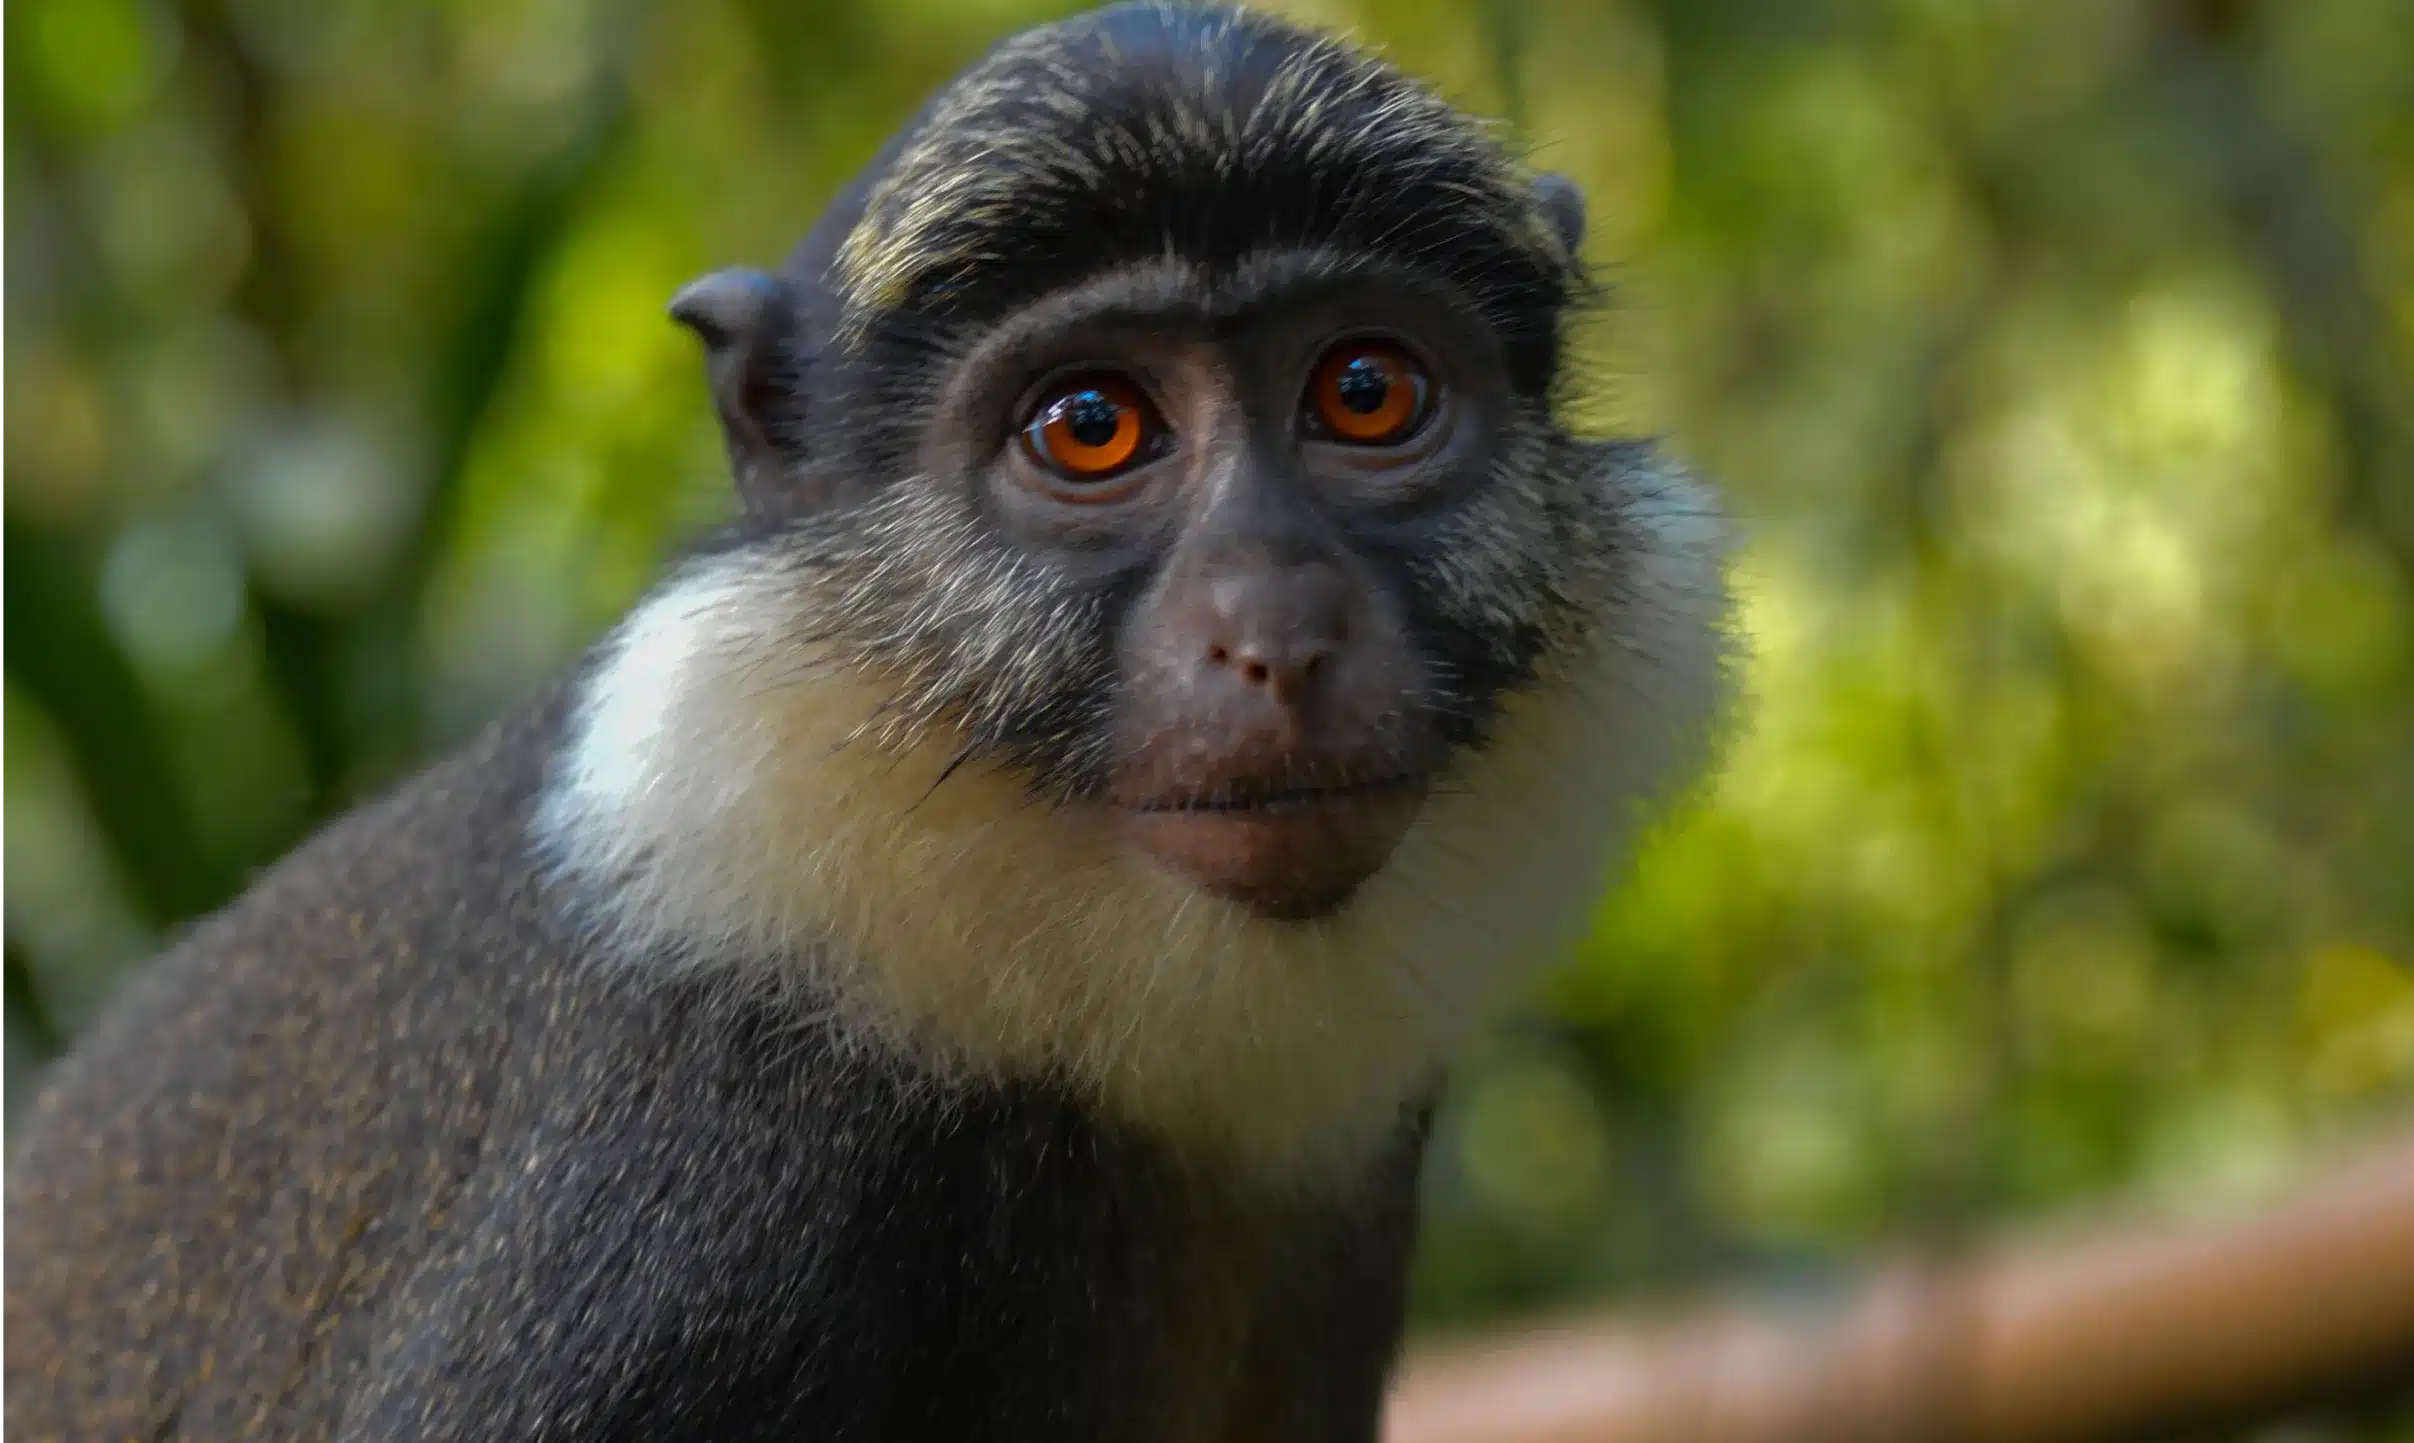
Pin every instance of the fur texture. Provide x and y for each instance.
(383, 1155)
(1062, 139)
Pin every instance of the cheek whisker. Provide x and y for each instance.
(962, 755)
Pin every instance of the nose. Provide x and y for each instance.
(1270, 630)
(1275, 632)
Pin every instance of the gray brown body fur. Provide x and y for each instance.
(379, 1154)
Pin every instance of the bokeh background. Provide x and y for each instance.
(2058, 355)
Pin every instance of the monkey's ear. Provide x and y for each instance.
(746, 320)
(1563, 204)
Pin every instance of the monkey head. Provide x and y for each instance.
(1196, 379)
(1164, 566)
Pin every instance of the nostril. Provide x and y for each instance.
(1257, 673)
(1218, 656)
(1313, 666)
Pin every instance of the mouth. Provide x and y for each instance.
(1278, 800)
(1287, 852)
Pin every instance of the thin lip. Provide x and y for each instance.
(1279, 799)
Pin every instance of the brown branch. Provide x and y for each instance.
(2108, 1335)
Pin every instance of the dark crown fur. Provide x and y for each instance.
(1207, 134)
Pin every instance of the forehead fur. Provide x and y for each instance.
(1207, 133)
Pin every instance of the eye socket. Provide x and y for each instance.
(1089, 430)
(1368, 393)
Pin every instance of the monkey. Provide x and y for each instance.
(974, 952)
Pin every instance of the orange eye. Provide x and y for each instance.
(1368, 394)
(1089, 431)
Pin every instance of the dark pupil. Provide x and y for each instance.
(1093, 418)
(1364, 385)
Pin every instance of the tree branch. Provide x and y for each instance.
(2107, 1335)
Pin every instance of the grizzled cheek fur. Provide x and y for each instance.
(1011, 657)
(1481, 599)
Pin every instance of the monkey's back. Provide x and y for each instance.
(265, 1131)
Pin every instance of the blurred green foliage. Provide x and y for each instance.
(2059, 355)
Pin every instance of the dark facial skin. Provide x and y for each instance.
(1272, 737)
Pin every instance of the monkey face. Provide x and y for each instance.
(1245, 549)
(1188, 382)
(1242, 468)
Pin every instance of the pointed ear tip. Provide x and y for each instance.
(691, 304)
(1557, 191)
(718, 302)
